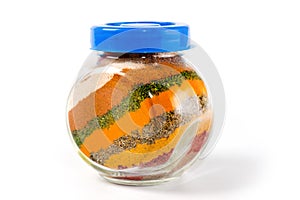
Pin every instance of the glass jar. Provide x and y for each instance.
(146, 104)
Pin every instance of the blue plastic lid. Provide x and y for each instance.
(140, 37)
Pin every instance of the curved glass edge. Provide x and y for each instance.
(203, 65)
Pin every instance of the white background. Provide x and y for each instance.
(255, 45)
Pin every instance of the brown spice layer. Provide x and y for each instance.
(111, 94)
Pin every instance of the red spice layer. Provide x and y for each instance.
(197, 145)
(198, 142)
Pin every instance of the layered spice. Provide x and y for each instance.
(136, 119)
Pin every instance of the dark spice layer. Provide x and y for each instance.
(159, 127)
(132, 103)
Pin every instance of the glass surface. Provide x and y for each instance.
(141, 118)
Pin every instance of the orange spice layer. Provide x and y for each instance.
(143, 153)
(111, 94)
(150, 108)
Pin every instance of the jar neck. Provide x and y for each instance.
(139, 55)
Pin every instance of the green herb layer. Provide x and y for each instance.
(132, 102)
